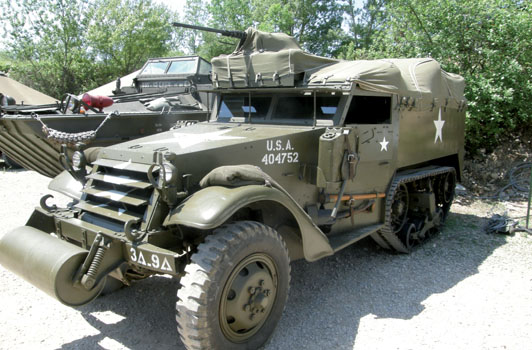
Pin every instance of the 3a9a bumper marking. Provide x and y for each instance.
(143, 256)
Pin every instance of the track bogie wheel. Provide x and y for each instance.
(399, 208)
(445, 193)
(408, 235)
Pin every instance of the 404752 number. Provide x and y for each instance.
(153, 260)
(280, 158)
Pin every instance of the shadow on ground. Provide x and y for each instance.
(327, 300)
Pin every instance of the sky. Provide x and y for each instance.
(176, 5)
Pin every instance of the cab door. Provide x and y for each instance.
(370, 119)
(356, 162)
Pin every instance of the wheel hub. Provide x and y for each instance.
(258, 300)
(248, 297)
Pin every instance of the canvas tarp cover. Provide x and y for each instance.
(419, 81)
(264, 59)
(22, 93)
(273, 59)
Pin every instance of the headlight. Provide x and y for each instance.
(78, 160)
(169, 172)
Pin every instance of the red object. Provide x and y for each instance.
(99, 102)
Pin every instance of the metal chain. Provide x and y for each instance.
(70, 139)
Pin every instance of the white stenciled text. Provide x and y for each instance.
(279, 152)
(153, 260)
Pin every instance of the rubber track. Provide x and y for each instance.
(386, 233)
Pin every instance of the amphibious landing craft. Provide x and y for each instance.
(165, 93)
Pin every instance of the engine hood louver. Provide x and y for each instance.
(116, 192)
(116, 164)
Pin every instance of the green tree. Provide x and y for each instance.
(363, 23)
(486, 41)
(196, 13)
(123, 34)
(46, 40)
(61, 46)
(229, 15)
(6, 61)
(315, 24)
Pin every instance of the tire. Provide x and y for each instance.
(10, 163)
(234, 289)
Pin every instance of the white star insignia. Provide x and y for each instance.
(384, 144)
(439, 126)
(185, 140)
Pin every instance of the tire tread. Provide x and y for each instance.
(192, 299)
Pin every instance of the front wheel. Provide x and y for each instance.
(234, 289)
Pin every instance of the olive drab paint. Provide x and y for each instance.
(303, 153)
(161, 95)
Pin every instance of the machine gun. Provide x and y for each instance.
(239, 34)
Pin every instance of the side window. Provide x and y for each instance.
(369, 110)
(238, 106)
(204, 67)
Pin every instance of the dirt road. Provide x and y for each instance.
(463, 290)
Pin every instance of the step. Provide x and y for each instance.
(342, 240)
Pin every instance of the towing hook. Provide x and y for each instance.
(45, 206)
(132, 234)
(151, 178)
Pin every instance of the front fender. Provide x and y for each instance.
(214, 205)
(65, 184)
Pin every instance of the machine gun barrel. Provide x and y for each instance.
(231, 33)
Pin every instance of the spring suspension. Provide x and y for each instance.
(96, 262)
(92, 263)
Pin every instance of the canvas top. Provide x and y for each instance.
(277, 60)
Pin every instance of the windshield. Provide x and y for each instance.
(302, 107)
(155, 68)
(238, 106)
(277, 108)
(187, 66)
(182, 67)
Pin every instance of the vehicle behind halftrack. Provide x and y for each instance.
(165, 93)
(301, 157)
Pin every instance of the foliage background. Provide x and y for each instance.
(60, 46)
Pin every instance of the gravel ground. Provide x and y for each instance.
(462, 290)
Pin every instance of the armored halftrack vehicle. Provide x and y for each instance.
(164, 93)
(301, 157)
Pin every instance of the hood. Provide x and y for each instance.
(203, 137)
